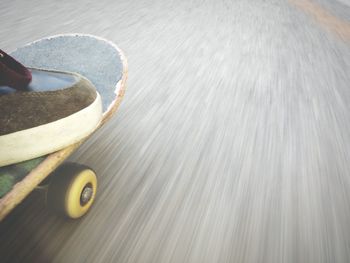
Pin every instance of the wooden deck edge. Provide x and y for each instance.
(33, 179)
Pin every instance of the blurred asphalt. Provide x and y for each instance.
(232, 143)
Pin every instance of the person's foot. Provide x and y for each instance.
(56, 110)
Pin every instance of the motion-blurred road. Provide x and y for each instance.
(232, 143)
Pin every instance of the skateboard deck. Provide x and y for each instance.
(99, 60)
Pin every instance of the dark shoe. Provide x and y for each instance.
(57, 110)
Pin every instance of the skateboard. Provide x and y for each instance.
(71, 187)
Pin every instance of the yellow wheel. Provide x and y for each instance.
(72, 190)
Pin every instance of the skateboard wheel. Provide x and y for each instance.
(72, 190)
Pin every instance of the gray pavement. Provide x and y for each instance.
(232, 143)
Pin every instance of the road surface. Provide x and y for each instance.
(232, 143)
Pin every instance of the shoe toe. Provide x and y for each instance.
(43, 80)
